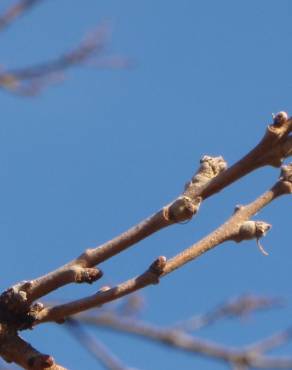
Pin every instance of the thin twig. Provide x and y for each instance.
(228, 231)
(60, 312)
(30, 80)
(237, 307)
(272, 342)
(14, 11)
(181, 340)
(94, 347)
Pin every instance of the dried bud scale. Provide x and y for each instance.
(252, 230)
(210, 167)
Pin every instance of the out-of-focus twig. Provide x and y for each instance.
(272, 342)
(249, 356)
(238, 307)
(14, 11)
(239, 367)
(31, 80)
(94, 347)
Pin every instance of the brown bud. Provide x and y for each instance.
(280, 118)
(286, 172)
(158, 265)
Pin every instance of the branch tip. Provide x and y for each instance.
(157, 267)
(41, 362)
(279, 118)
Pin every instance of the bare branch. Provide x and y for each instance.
(234, 228)
(16, 301)
(60, 312)
(230, 230)
(274, 147)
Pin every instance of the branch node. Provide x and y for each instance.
(14, 307)
(182, 209)
(34, 310)
(210, 167)
(88, 275)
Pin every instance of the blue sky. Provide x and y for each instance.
(89, 158)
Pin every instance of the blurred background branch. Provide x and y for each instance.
(14, 11)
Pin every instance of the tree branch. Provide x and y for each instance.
(15, 349)
(209, 179)
(233, 229)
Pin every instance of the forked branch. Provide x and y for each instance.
(16, 304)
(233, 229)
(211, 177)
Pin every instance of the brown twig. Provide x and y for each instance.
(15, 349)
(236, 228)
(210, 178)
(86, 262)
(16, 303)
(61, 312)
(181, 340)
(233, 229)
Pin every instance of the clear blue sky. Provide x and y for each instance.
(89, 158)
